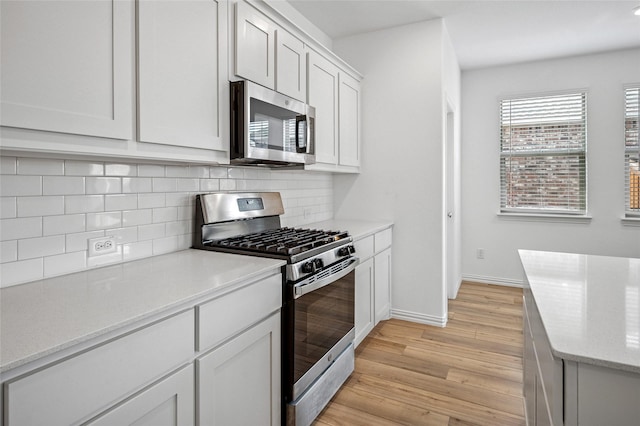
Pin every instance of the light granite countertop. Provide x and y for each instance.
(357, 228)
(43, 317)
(589, 305)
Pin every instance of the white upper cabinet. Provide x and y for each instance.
(67, 66)
(323, 96)
(291, 66)
(336, 96)
(349, 109)
(181, 53)
(255, 46)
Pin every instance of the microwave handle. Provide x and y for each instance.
(301, 146)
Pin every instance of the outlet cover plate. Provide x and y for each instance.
(102, 245)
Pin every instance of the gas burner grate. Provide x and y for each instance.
(285, 241)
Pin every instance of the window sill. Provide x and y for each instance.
(630, 221)
(537, 217)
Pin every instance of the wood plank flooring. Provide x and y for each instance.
(468, 373)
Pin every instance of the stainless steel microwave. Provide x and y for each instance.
(270, 129)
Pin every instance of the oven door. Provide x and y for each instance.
(322, 322)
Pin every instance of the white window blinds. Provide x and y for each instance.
(543, 143)
(632, 152)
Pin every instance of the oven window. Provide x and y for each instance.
(322, 318)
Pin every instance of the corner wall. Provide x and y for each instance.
(603, 77)
(401, 176)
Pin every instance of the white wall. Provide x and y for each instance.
(51, 207)
(603, 76)
(402, 158)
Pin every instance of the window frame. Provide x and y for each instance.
(629, 213)
(545, 214)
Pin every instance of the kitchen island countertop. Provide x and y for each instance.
(589, 306)
(46, 316)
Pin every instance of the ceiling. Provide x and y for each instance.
(488, 32)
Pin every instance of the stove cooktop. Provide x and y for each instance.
(281, 241)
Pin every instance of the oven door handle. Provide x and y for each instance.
(302, 288)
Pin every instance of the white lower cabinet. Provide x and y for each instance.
(364, 309)
(170, 402)
(239, 382)
(373, 282)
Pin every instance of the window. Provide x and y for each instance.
(543, 143)
(632, 152)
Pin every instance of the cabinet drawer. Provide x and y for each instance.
(364, 247)
(383, 240)
(79, 387)
(225, 316)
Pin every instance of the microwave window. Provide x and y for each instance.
(272, 127)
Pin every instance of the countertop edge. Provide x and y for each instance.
(144, 319)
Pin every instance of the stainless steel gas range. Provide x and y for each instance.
(318, 291)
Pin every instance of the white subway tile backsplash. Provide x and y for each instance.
(79, 241)
(83, 168)
(40, 206)
(209, 185)
(120, 202)
(165, 245)
(17, 185)
(8, 207)
(165, 184)
(137, 217)
(188, 185)
(177, 171)
(103, 220)
(30, 248)
(124, 235)
(149, 201)
(40, 166)
(65, 263)
(151, 170)
(149, 208)
(62, 185)
(83, 204)
(8, 251)
(20, 272)
(137, 250)
(103, 185)
(136, 185)
(165, 214)
(120, 170)
(63, 224)
(8, 165)
(227, 185)
(151, 232)
(15, 229)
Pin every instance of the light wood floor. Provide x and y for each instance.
(468, 373)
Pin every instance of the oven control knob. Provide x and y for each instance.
(318, 263)
(346, 250)
(308, 267)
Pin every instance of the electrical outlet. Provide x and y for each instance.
(102, 245)
(480, 253)
(306, 212)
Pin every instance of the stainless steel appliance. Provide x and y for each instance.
(270, 129)
(318, 291)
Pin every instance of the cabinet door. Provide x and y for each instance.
(382, 285)
(255, 46)
(291, 66)
(349, 109)
(239, 382)
(67, 66)
(322, 87)
(181, 53)
(169, 402)
(364, 309)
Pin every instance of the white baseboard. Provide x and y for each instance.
(419, 318)
(492, 280)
